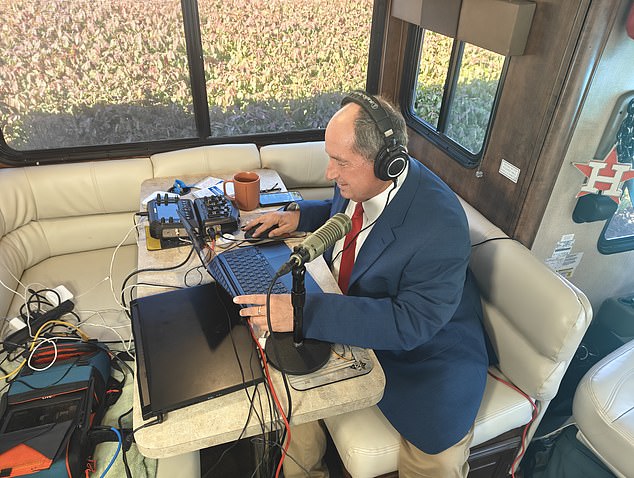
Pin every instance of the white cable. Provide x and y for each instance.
(103, 311)
(112, 266)
(12, 275)
(151, 286)
(43, 340)
(13, 291)
(99, 313)
(93, 287)
(126, 345)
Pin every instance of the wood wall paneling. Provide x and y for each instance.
(530, 102)
(600, 18)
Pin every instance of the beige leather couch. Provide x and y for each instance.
(73, 225)
(61, 224)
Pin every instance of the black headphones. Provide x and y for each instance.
(391, 160)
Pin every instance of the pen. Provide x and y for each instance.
(274, 188)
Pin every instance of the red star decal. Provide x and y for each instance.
(606, 176)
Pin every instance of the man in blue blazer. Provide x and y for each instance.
(410, 295)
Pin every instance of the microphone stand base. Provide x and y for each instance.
(293, 359)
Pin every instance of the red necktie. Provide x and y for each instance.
(349, 247)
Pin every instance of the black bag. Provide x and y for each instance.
(569, 458)
(48, 414)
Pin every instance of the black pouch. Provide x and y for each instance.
(569, 458)
(48, 414)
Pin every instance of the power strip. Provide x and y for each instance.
(17, 323)
(64, 295)
(21, 336)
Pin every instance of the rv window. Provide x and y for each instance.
(281, 66)
(618, 233)
(140, 76)
(93, 73)
(451, 93)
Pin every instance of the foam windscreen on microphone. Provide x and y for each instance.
(318, 242)
(325, 237)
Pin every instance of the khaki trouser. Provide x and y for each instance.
(308, 446)
(450, 463)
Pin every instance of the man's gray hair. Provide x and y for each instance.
(368, 140)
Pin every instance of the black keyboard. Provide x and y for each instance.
(252, 271)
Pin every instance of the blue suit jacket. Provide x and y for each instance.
(412, 299)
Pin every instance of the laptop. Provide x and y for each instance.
(250, 270)
(191, 346)
(247, 269)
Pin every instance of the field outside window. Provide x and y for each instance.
(79, 73)
(275, 65)
(455, 89)
(87, 73)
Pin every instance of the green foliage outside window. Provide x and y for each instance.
(77, 72)
(470, 109)
(432, 73)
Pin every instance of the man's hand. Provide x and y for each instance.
(286, 222)
(281, 311)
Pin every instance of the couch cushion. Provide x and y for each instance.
(302, 167)
(78, 189)
(603, 409)
(368, 444)
(542, 328)
(216, 159)
(18, 206)
(83, 274)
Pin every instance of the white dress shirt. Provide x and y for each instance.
(372, 209)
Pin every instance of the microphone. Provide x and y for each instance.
(316, 244)
(290, 352)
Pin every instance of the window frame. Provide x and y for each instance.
(191, 25)
(617, 117)
(412, 58)
(622, 244)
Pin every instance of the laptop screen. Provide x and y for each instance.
(191, 345)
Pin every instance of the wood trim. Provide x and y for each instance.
(393, 58)
(599, 21)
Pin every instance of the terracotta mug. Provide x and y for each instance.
(246, 190)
